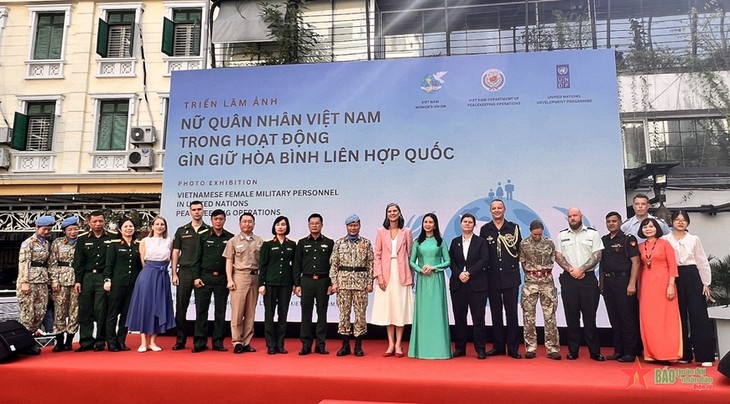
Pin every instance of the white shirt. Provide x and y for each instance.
(465, 243)
(578, 246)
(157, 248)
(631, 226)
(689, 251)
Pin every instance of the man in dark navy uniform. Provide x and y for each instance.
(503, 274)
(619, 271)
(312, 283)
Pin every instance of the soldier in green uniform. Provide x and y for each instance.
(312, 282)
(89, 262)
(65, 300)
(209, 273)
(123, 265)
(276, 283)
(184, 251)
(351, 271)
(537, 255)
(32, 285)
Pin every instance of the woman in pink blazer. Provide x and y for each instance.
(393, 303)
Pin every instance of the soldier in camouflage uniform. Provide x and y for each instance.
(65, 300)
(537, 255)
(351, 272)
(32, 285)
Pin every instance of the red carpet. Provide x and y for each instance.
(222, 377)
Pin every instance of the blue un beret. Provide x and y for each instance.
(352, 219)
(45, 221)
(69, 221)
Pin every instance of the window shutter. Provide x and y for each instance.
(195, 51)
(168, 37)
(102, 39)
(20, 131)
(42, 40)
(54, 51)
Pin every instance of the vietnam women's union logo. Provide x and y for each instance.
(493, 80)
(433, 82)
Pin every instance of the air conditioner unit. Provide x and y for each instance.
(4, 158)
(140, 158)
(6, 135)
(142, 135)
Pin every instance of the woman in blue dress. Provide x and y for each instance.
(150, 310)
(430, 338)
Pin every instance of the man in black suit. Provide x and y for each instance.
(468, 284)
(503, 273)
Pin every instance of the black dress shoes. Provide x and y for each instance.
(572, 356)
(59, 348)
(98, 348)
(627, 358)
(114, 348)
(554, 356)
(220, 348)
(123, 347)
(597, 357)
(613, 357)
(238, 349)
(281, 350)
(178, 347)
(494, 352)
(321, 350)
(84, 348)
(248, 348)
(481, 355)
(530, 355)
(305, 351)
(514, 355)
(458, 353)
(198, 349)
(271, 351)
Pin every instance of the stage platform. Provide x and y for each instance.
(222, 377)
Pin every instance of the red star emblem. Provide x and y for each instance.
(636, 374)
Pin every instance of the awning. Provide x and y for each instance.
(241, 21)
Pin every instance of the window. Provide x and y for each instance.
(634, 144)
(116, 35)
(693, 142)
(112, 125)
(48, 42)
(181, 35)
(33, 131)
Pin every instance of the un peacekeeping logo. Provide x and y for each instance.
(432, 82)
(562, 73)
(493, 80)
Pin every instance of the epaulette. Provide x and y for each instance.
(625, 221)
(116, 240)
(565, 229)
(203, 231)
(271, 239)
(591, 228)
(108, 241)
(112, 231)
(86, 233)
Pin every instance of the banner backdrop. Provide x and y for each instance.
(444, 134)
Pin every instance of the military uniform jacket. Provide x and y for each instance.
(276, 263)
(33, 260)
(61, 261)
(90, 254)
(537, 256)
(187, 240)
(617, 252)
(358, 254)
(210, 252)
(503, 269)
(123, 264)
(312, 257)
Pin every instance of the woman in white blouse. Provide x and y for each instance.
(693, 291)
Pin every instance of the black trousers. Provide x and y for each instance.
(623, 313)
(580, 298)
(119, 298)
(214, 286)
(464, 299)
(277, 299)
(314, 291)
(697, 330)
(510, 335)
(182, 301)
(93, 303)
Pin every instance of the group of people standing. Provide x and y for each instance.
(654, 287)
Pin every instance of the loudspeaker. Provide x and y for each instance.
(724, 365)
(14, 339)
